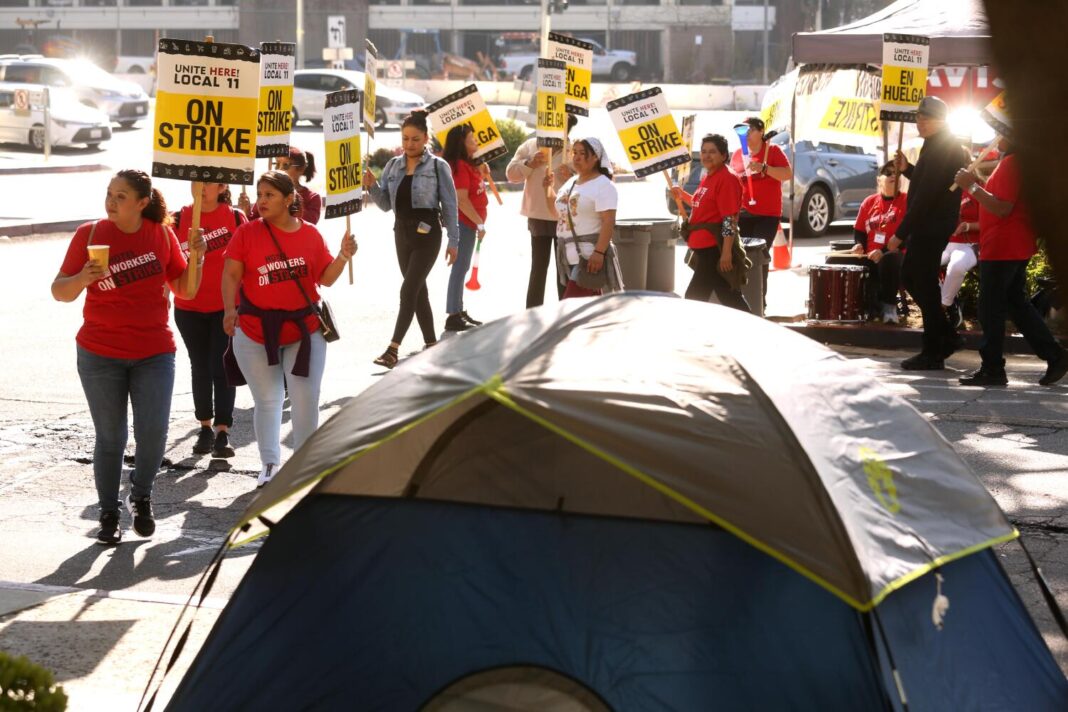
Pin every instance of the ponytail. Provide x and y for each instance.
(302, 159)
(296, 208)
(156, 210)
(309, 170)
(225, 197)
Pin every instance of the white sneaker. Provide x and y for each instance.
(890, 314)
(266, 475)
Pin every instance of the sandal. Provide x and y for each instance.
(388, 358)
(429, 344)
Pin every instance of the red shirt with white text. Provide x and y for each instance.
(127, 313)
(716, 198)
(766, 190)
(268, 278)
(219, 227)
(879, 218)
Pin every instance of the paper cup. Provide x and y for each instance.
(98, 254)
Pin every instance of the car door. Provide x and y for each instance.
(854, 175)
(305, 92)
(8, 120)
(601, 63)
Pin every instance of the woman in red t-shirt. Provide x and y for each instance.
(275, 261)
(125, 264)
(298, 164)
(200, 320)
(471, 199)
(880, 215)
(713, 226)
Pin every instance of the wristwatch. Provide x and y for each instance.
(480, 228)
(973, 188)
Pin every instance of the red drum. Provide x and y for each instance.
(836, 293)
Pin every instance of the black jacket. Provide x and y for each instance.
(933, 210)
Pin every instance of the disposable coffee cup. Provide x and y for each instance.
(98, 255)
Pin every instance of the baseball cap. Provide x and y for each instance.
(934, 107)
(754, 122)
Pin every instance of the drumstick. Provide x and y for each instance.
(977, 161)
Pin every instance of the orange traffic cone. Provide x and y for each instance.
(780, 251)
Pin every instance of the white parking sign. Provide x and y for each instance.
(335, 31)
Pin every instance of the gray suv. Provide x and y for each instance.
(830, 183)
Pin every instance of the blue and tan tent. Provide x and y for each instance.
(627, 503)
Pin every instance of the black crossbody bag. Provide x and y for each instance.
(326, 317)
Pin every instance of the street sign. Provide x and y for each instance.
(394, 70)
(335, 31)
(22, 100)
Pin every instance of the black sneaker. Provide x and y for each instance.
(222, 445)
(110, 532)
(984, 377)
(1055, 370)
(456, 322)
(467, 317)
(954, 316)
(923, 362)
(205, 441)
(141, 511)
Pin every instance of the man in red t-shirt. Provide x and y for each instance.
(1006, 245)
(767, 167)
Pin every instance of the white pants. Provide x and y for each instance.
(267, 384)
(957, 258)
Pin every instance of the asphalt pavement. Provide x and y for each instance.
(99, 616)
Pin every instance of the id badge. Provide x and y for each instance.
(422, 228)
(880, 238)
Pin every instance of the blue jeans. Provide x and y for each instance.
(109, 384)
(267, 384)
(454, 298)
(1002, 293)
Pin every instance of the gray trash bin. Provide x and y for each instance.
(660, 267)
(631, 241)
(754, 286)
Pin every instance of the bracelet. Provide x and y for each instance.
(599, 252)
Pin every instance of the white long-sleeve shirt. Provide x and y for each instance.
(534, 203)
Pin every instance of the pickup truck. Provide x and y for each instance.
(619, 65)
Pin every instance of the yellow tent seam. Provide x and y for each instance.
(487, 388)
(502, 397)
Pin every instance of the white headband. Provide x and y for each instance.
(598, 149)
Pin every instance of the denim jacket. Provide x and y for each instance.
(424, 185)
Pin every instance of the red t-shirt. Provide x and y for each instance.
(766, 190)
(466, 177)
(1010, 237)
(969, 212)
(127, 313)
(219, 226)
(717, 197)
(311, 205)
(267, 282)
(879, 219)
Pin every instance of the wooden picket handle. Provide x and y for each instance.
(900, 143)
(980, 159)
(348, 230)
(198, 199)
(678, 200)
(549, 192)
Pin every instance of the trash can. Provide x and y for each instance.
(631, 241)
(754, 285)
(660, 266)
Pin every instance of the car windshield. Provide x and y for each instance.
(86, 73)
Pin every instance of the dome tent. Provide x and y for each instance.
(634, 502)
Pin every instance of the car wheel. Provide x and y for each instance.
(37, 138)
(525, 73)
(315, 122)
(622, 72)
(93, 146)
(380, 119)
(127, 124)
(816, 212)
(296, 117)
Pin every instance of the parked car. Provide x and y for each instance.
(73, 122)
(310, 87)
(618, 65)
(123, 102)
(830, 183)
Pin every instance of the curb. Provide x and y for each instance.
(42, 228)
(31, 170)
(887, 337)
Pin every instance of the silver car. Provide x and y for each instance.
(124, 102)
(310, 87)
(830, 183)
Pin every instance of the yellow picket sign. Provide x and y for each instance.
(905, 59)
(551, 126)
(194, 125)
(648, 131)
(467, 107)
(342, 116)
(274, 122)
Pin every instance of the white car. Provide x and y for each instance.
(310, 87)
(73, 122)
(123, 102)
(616, 64)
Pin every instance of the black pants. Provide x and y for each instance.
(708, 279)
(416, 255)
(919, 273)
(762, 227)
(206, 341)
(542, 257)
(1002, 293)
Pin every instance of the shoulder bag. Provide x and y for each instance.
(582, 276)
(326, 317)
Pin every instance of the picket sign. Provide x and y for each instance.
(467, 107)
(905, 60)
(342, 117)
(650, 136)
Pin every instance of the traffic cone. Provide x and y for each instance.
(780, 251)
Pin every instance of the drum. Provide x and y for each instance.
(836, 293)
